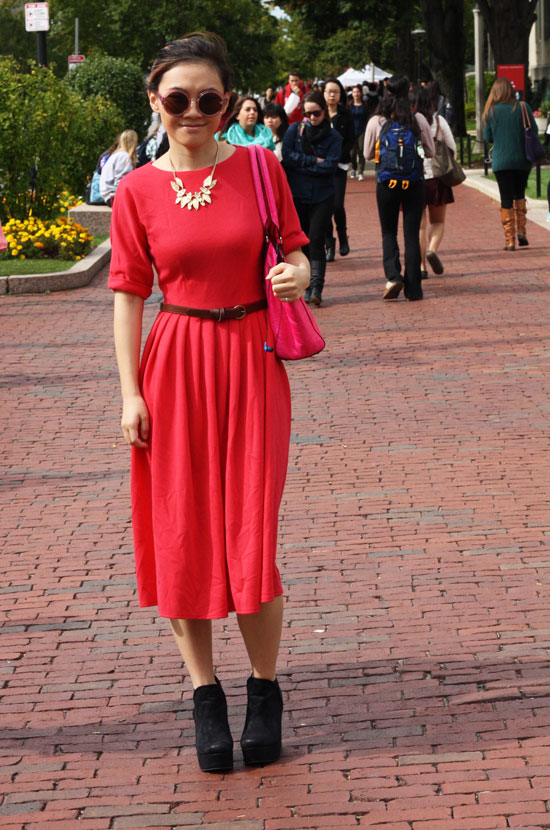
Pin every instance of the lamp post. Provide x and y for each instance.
(417, 35)
(479, 33)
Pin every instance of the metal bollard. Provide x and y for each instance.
(485, 159)
(461, 151)
(538, 181)
(469, 150)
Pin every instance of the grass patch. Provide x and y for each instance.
(532, 183)
(15, 267)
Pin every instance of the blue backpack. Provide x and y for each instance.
(397, 156)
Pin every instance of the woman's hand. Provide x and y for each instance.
(288, 281)
(135, 421)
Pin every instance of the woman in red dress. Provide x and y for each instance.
(207, 411)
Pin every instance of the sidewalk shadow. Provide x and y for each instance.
(416, 706)
(398, 707)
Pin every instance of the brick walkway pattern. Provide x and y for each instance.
(414, 543)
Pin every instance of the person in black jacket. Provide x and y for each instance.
(342, 121)
(311, 152)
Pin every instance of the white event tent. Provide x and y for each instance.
(358, 76)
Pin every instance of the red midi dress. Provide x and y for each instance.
(207, 490)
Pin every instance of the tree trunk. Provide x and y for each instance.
(444, 25)
(508, 24)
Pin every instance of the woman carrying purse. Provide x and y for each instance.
(503, 127)
(438, 194)
(207, 410)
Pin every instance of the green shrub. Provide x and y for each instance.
(118, 80)
(470, 106)
(50, 139)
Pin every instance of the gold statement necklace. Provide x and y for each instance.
(203, 196)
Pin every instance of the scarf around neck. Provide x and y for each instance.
(262, 136)
(313, 135)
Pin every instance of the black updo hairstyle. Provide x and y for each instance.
(395, 105)
(196, 46)
(206, 47)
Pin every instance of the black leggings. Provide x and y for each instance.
(511, 185)
(357, 157)
(389, 201)
(340, 181)
(313, 221)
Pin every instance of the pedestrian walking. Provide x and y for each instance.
(291, 97)
(311, 152)
(360, 117)
(93, 194)
(276, 119)
(207, 411)
(503, 127)
(392, 139)
(438, 195)
(121, 162)
(267, 98)
(246, 125)
(342, 121)
(440, 103)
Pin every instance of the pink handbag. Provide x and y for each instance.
(3, 240)
(294, 328)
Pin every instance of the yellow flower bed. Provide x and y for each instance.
(58, 238)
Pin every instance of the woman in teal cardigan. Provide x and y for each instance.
(503, 126)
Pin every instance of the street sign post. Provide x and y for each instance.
(75, 60)
(37, 17)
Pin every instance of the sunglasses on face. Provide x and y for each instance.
(313, 113)
(178, 102)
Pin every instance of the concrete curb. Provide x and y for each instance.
(537, 208)
(80, 274)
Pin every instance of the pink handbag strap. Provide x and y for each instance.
(260, 153)
(257, 182)
(260, 174)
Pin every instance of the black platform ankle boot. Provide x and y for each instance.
(330, 248)
(261, 738)
(213, 737)
(344, 242)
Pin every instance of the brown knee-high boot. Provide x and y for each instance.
(520, 208)
(507, 217)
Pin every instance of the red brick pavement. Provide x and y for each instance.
(414, 548)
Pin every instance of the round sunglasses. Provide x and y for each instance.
(312, 113)
(178, 102)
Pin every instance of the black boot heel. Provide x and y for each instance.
(330, 248)
(212, 734)
(261, 738)
(344, 243)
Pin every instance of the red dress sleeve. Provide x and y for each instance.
(289, 224)
(131, 267)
